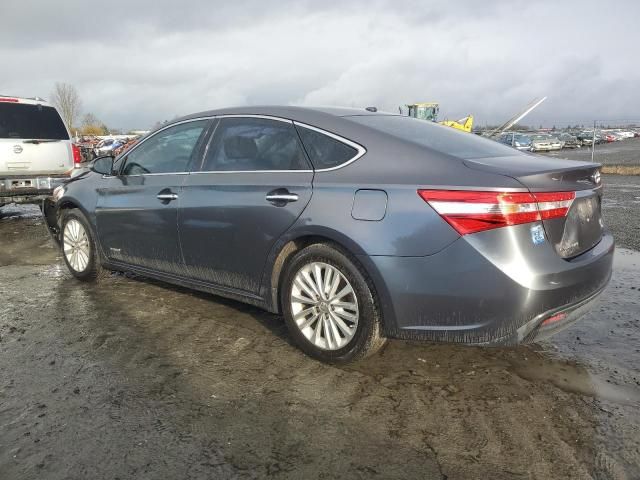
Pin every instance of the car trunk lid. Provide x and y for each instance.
(582, 227)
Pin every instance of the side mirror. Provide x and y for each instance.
(102, 165)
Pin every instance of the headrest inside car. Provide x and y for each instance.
(239, 147)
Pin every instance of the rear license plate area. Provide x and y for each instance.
(583, 226)
(19, 183)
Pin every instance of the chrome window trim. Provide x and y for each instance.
(360, 149)
(249, 171)
(153, 174)
(137, 145)
(251, 115)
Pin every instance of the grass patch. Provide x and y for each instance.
(621, 169)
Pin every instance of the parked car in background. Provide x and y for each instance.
(543, 142)
(586, 138)
(107, 146)
(625, 133)
(354, 225)
(568, 140)
(36, 151)
(516, 140)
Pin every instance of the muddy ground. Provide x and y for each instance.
(136, 379)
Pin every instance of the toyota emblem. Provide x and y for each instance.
(596, 177)
(17, 149)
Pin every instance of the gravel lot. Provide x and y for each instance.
(626, 152)
(136, 379)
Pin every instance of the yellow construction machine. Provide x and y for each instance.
(429, 111)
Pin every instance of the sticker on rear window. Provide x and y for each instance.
(537, 234)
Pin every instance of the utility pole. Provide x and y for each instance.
(593, 141)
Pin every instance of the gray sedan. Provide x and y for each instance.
(356, 226)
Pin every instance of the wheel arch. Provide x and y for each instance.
(286, 248)
(70, 203)
(52, 212)
(67, 203)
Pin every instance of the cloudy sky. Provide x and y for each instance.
(137, 62)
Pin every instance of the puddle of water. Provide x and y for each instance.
(55, 271)
(574, 378)
(627, 259)
(602, 347)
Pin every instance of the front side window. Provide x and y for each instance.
(168, 151)
(325, 151)
(249, 144)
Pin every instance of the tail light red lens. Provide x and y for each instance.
(9, 100)
(470, 211)
(77, 155)
(555, 318)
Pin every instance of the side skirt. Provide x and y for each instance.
(233, 294)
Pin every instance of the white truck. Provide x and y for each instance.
(36, 151)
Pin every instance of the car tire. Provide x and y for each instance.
(79, 247)
(333, 336)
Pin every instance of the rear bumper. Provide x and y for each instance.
(489, 288)
(29, 189)
(549, 323)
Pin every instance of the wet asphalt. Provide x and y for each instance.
(131, 378)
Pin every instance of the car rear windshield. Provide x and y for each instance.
(20, 120)
(435, 137)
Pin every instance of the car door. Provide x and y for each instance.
(254, 182)
(137, 209)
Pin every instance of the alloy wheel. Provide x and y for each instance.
(76, 245)
(324, 306)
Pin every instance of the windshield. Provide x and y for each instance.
(19, 120)
(435, 137)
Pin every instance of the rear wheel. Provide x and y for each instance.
(329, 306)
(79, 248)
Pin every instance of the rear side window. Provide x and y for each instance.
(20, 120)
(248, 144)
(436, 137)
(323, 150)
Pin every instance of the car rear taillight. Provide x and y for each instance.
(471, 211)
(558, 317)
(9, 100)
(77, 156)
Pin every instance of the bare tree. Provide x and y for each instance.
(66, 99)
(90, 119)
(92, 126)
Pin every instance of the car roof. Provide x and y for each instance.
(301, 114)
(26, 101)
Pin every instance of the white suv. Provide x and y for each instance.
(36, 152)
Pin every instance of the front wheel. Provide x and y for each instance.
(79, 248)
(329, 305)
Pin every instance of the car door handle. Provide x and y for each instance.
(281, 196)
(167, 197)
